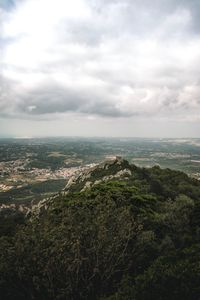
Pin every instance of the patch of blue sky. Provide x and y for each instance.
(7, 4)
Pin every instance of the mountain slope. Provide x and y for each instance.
(117, 168)
(129, 233)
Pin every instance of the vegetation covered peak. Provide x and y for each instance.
(103, 172)
(135, 236)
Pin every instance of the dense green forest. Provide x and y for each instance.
(128, 238)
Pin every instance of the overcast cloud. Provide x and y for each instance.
(102, 62)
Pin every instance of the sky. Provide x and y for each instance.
(100, 68)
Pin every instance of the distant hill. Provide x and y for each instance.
(116, 231)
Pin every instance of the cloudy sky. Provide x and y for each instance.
(100, 68)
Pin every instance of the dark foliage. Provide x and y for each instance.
(136, 238)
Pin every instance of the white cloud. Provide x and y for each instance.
(106, 58)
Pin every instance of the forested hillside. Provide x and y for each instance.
(132, 233)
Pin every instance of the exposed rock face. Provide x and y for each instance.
(117, 168)
(42, 206)
(123, 174)
(112, 169)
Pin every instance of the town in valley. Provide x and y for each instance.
(32, 169)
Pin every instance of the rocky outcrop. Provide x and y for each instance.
(125, 174)
(41, 207)
(117, 168)
(112, 169)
